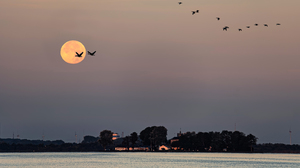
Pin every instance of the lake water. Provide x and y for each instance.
(165, 160)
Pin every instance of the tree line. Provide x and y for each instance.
(215, 141)
(151, 137)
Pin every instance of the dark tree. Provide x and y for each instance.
(158, 136)
(226, 140)
(206, 140)
(238, 140)
(126, 142)
(105, 138)
(251, 140)
(89, 139)
(145, 136)
(133, 139)
(187, 141)
(199, 137)
(154, 136)
(216, 141)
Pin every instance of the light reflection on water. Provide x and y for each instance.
(166, 160)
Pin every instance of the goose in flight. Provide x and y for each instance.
(266, 25)
(92, 54)
(256, 24)
(193, 12)
(248, 26)
(218, 18)
(225, 28)
(197, 11)
(240, 29)
(179, 3)
(278, 24)
(78, 55)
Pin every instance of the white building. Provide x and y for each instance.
(164, 147)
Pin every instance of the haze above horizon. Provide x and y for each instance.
(156, 64)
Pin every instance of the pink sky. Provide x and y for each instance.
(153, 58)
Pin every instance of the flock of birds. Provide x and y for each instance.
(193, 13)
(226, 27)
(80, 55)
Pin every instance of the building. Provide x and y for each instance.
(115, 136)
(163, 148)
(174, 140)
(121, 148)
(174, 146)
(179, 134)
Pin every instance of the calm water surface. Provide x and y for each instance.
(80, 160)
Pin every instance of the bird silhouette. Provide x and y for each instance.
(92, 54)
(278, 24)
(266, 25)
(78, 55)
(197, 11)
(225, 28)
(256, 24)
(193, 12)
(218, 18)
(248, 26)
(240, 29)
(179, 3)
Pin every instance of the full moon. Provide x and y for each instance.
(69, 49)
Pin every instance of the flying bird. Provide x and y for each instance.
(256, 24)
(78, 55)
(180, 3)
(278, 24)
(248, 26)
(266, 25)
(225, 28)
(240, 29)
(193, 12)
(197, 11)
(92, 54)
(218, 18)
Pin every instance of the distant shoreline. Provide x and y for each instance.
(148, 152)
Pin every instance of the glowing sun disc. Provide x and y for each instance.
(69, 49)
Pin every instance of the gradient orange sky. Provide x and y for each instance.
(155, 64)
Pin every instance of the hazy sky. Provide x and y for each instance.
(155, 64)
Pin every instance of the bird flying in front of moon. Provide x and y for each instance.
(69, 49)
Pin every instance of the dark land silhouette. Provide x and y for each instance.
(151, 138)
